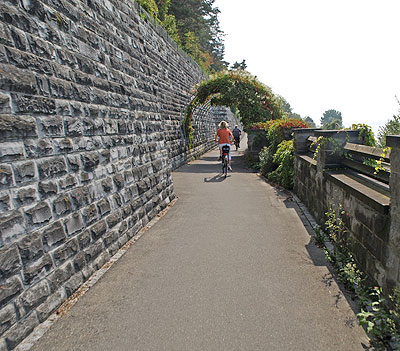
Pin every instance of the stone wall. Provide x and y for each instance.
(371, 209)
(91, 94)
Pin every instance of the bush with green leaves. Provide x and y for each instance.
(284, 158)
(277, 159)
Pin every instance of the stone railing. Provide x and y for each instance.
(338, 178)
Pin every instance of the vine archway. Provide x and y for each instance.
(253, 100)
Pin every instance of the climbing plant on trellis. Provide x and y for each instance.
(253, 101)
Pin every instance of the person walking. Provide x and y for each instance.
(224, 137)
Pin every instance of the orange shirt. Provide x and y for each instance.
(224, 135)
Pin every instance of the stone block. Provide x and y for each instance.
(37, 269)
(105, 157)
(62, 205)
(34, 296)
(110, 237)
(31, 247)
(13, 79)
(39, 214)
(10, 288)
(98, 229)
(113, 219)
(15, 127)
(10, 262)
(74, 162)
(5, 103)
(24, 172)
(51, 304)
(52, 167)
(103, 207)
(53, 235)
(5, 202)
(48, 188)
(74, 224)
(90, 161)
(117, 200)
(142, 187)
(93, 250)
(73, 127)
(33, 104)
(39, 148)
(51, 126)
(25, 196)
(80, 197)
(68, 181)
(21, 330)
(84, 239)
(64, 252)
(6, 176)
(64, 145)
(73, 284)
(107, 184)
(79, 261)
(119, 181)
(93, 126)
(60, 276)
(11, 225)
(90, 214)
(10, 151)
(8, 317)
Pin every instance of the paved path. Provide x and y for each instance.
(230, 267)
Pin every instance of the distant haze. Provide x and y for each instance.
(319, 54)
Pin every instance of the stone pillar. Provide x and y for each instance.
(300, 139)
(394, 236)
(330, 153)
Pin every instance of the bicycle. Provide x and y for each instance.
(237, 143)
(225, 156)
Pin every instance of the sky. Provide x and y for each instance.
(320, 54)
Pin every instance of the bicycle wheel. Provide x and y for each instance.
(225, 170)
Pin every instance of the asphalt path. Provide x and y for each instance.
(231, 266)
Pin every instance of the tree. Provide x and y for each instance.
(242, 65)
(200, 18)
(330, 116)
(392, 127)
(333, 125)
(310, 122)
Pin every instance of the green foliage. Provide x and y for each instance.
(194, 25)
(332, 119)
(319, 236)
(366, 133)
(310, 122)
(150, 6)
(252, 100)
(381, 319)
(277, 159)
(392, 127)
(284, 158)
(333, 125)
(242, 65)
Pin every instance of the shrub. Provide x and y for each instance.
(284, 158)
(277, 158)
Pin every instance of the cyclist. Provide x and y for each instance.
(236, 134)
(224, 137)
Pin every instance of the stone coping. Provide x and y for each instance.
(393, 141)
(373, 198)
(308, 159)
